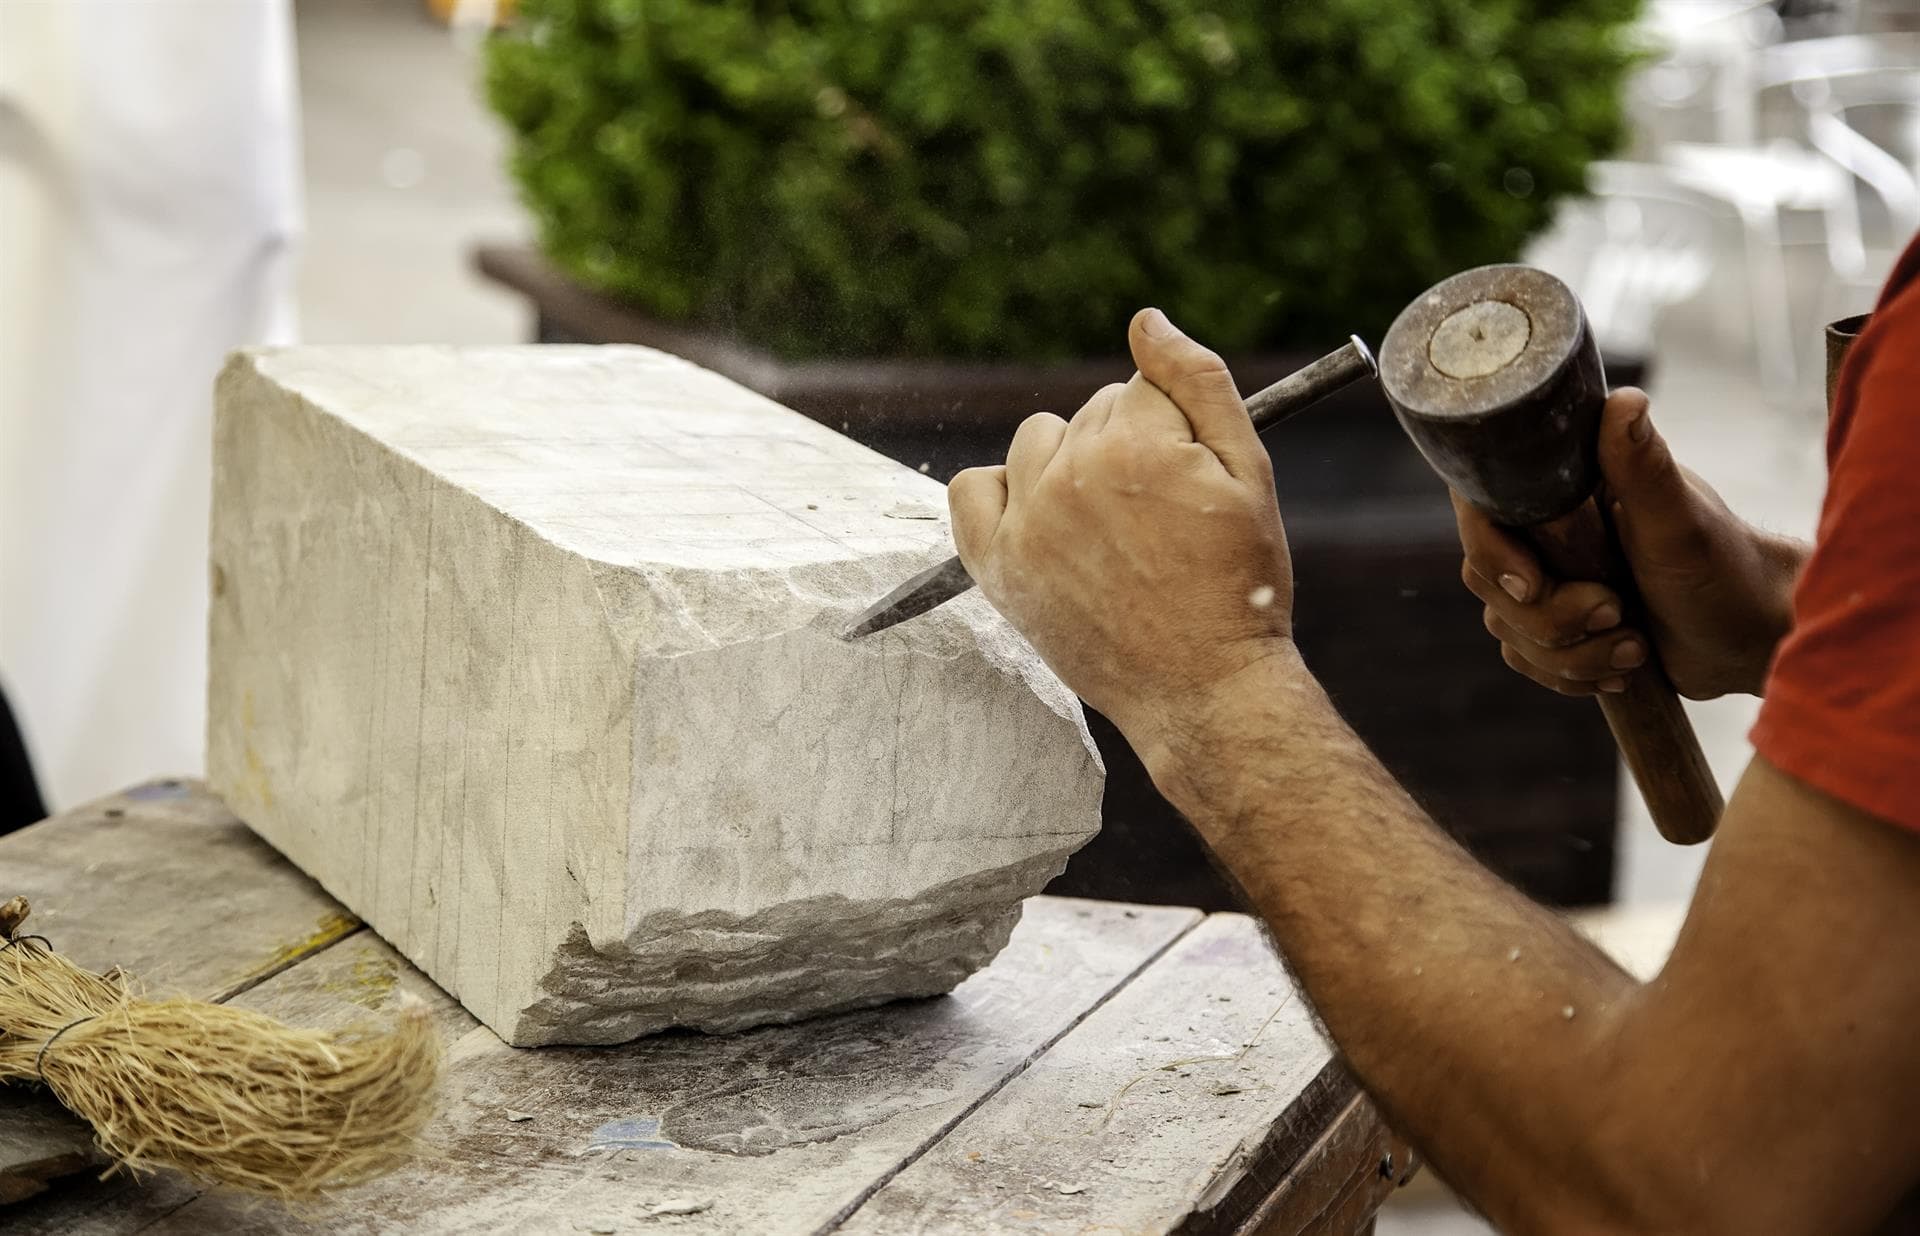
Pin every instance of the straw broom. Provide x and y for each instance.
(228, 1097)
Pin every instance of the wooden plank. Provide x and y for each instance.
(356, 980)
(89, 1203)
(1338, 1185)
(1170, 1108)
(775, 1130)
(362, 979)
(40, 1141)
(164, 882)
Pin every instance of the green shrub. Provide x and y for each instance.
(1014, 177)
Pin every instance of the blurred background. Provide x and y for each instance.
(920, 226)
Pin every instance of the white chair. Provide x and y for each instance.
(1858, 99)
(1819, 100)
(1641, 243)
(1696, 109)
(1761, 183)
(1869, 16)
(1699, 85)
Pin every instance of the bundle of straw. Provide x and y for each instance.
(231, 1098)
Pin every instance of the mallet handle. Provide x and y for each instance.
(1648, 723)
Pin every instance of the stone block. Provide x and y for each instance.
(530, 657)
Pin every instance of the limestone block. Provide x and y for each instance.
(530, 657)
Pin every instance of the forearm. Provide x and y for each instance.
(1481, 1021)
(1765, 1070)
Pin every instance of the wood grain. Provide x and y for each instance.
(1338, 1184)
(771, 1131)
(798, 1128)
(165, 883)
(1177, 1106)
(357, 979)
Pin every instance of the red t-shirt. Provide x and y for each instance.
(1842, 709)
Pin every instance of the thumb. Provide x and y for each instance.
(1650, 499)
(1199, 384)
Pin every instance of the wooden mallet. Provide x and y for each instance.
(1495, 376)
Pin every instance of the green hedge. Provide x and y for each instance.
(1014, 177)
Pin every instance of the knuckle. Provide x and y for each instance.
(1483, 563)
(1519, 664)
(1692, 541)
(966, 538)
(1210, 383)
(1197, 359)
(1564, 686)
(1553, 634)
(1110, 450)
(1116, 459)
(1575, 665)
(1527, 669)
(1539, 626)
(1259, 467)
(1525, 626)
(1102, 398)
(958, 490)
(1572, 600)
(1039, 422)
(1200, 370)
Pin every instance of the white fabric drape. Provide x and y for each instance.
(149, 198)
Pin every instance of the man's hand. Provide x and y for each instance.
(1138, 547)
(1716, 589)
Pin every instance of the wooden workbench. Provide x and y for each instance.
(1117, 1069)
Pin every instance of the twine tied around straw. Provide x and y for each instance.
(229, 1097)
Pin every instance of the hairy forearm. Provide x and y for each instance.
(1483, 1024)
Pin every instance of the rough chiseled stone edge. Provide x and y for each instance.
(719, 972)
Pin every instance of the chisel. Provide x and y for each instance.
(1292, 394)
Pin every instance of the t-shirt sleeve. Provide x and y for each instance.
(1842, 707)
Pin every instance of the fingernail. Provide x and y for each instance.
(1514, 586)
(1613, 686)
(1640, 428)
(1156, 325)
(1605, 617)
(1627, 654)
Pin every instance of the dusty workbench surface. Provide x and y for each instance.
(1117, 1069)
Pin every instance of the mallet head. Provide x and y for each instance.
(1495, 376)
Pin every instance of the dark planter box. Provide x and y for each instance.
(1525, 779)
